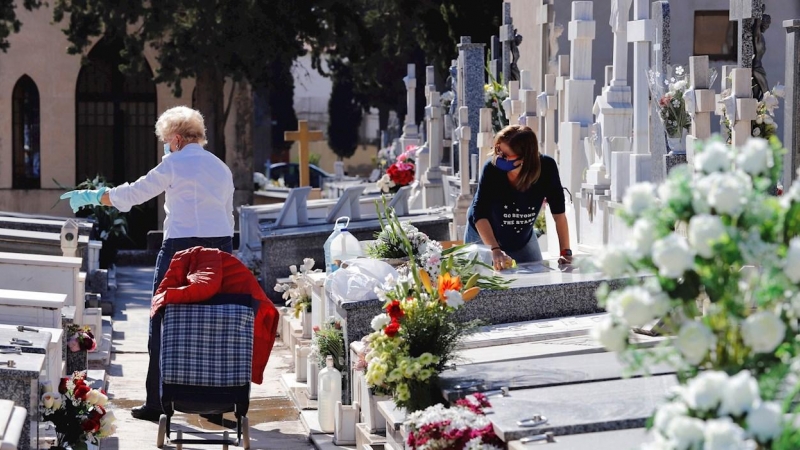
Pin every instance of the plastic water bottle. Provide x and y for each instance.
(337, 229)
(344, 246)
(329, 391)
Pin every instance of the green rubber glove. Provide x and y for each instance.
(82, 197)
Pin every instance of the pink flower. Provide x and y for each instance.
(73, 344)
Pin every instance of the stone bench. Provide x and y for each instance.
(12, 421)
(41, 273)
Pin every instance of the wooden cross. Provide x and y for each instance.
(305, 137)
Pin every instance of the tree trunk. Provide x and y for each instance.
(241, 156)
(211, 104)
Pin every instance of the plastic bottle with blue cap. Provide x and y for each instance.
(344, 246)
(337, 229)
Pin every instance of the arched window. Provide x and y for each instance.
(25, 134)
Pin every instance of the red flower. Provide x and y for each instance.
(90, 425)
(394, 310)
(81, 390)
(316, 328)
(392, 329)
(62, 386)
(401, 173)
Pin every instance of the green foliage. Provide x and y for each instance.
(9, 23)
(329, 340)
(344, 114)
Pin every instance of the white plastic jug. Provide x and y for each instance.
(344, 246)
(337, 229)
(329, 391)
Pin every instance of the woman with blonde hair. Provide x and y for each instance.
(513, 187)
(198, 206)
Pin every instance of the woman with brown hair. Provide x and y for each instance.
(512, 190)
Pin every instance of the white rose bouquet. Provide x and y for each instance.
(715, 259)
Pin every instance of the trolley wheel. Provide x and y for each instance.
(244, 442)
(162, 431)
(178, 437)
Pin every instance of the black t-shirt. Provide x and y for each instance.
(510, 212)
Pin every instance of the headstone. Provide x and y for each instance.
(740, 106)
(432, 189)
(464, 200)
(578, 97)
(660, 14)
(494, 62)
(338, 169)
(506, 38)
(471, 78)
(746, 12)
(527, 94)
(791, 126)
(39, 273)
(700, 103)
(410, 135)
(20, 384)
(511, 105)
(41, 342)
(563, 76)
(28, 308)
(640, 33)
(547, 103)
(485, 141)
(304, 136)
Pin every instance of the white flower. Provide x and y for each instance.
(453, 298)
(633, 304)
(380, 321)
(666, 413)
(779, 90)
(639, 198)
(700, 189)
(610, 335)
(763, 332)
(755, 157)
(293, 269)
(705, 391)
(109, 417)
(756, 132)
(685, 432)
(741, 393)
(715, 157)
(791, 266)
(673, 256)
(48, 400)
(694, 341)
(704, 231)
(92, 397)
(765, 421)
(57, 400)
(308, 264)
(728, 192)
(613, 261)
(644, 234)
(723, 434)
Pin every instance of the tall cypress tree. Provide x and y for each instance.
(344, 114)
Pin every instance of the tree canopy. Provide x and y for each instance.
(9, 23)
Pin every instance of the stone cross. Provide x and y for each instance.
(640, 33)
(661, 58)
(506, 38)
(433, 191)
(791, 126)
(700, 103)
(464, 201)
(528, 97)
(547, 103)
(578, 97)
(740, 106)
(304, 136)
(745, 12)
(430, 84)
(485, 141)
(471, 79)
(561, 77)
(494, 62)
(511, 105)
(410, 130)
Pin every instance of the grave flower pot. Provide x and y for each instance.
(423, 395)
(677, 143)
(312, 367)
(305, 318)
(369, 409)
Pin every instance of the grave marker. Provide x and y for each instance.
(746, 12)
(547, 103)
(464, 200)
(700, 103)
(740, 106)
(410, 135)
(660, 14)
(506, 37)
(640, 33)
(304, 136)
(791, 127)
(471, 79)
(432, 188)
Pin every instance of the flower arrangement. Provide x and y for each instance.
(400, 173)
(329, 340)
(389, 241)
(297, 292)
(764, 126)
(723, 257)
(80, 338)
(416, 338)
(78, 412)
(462, 427)
(494, 94)
(260, 180)
(667, 91)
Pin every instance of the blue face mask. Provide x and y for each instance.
(166, 149)
(504, 164)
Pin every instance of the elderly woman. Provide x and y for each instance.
(198, 207)
(510, 195)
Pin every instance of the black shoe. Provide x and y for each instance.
(144, 412)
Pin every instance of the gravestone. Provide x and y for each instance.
(507, 38)
(640, 33)
(746, 12)
(547, 102)
(304, 136)
(44, 340)
(432, 189)
(35, 309)
(485, 142)
(660, 14)
(20, 384)
(740, 106)
(410, 135)
(700, 102)
(791, 127)
(495, 62)
(471, 80)
(464, 200)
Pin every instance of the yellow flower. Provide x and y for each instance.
(402, 391)
(424, 374)
(395, 375)
(427, 359)
(448, 283)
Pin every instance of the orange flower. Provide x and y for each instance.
(448, 283)
(426, 281)
(470, 293)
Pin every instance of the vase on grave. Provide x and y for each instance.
(677, 143)
(423, 394)
(305, 319)
(369, 411)
(312, 369)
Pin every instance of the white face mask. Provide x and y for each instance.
(167, 151)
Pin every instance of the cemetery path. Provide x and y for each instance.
(274, 421)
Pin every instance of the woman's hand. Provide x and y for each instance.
(500, 260)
